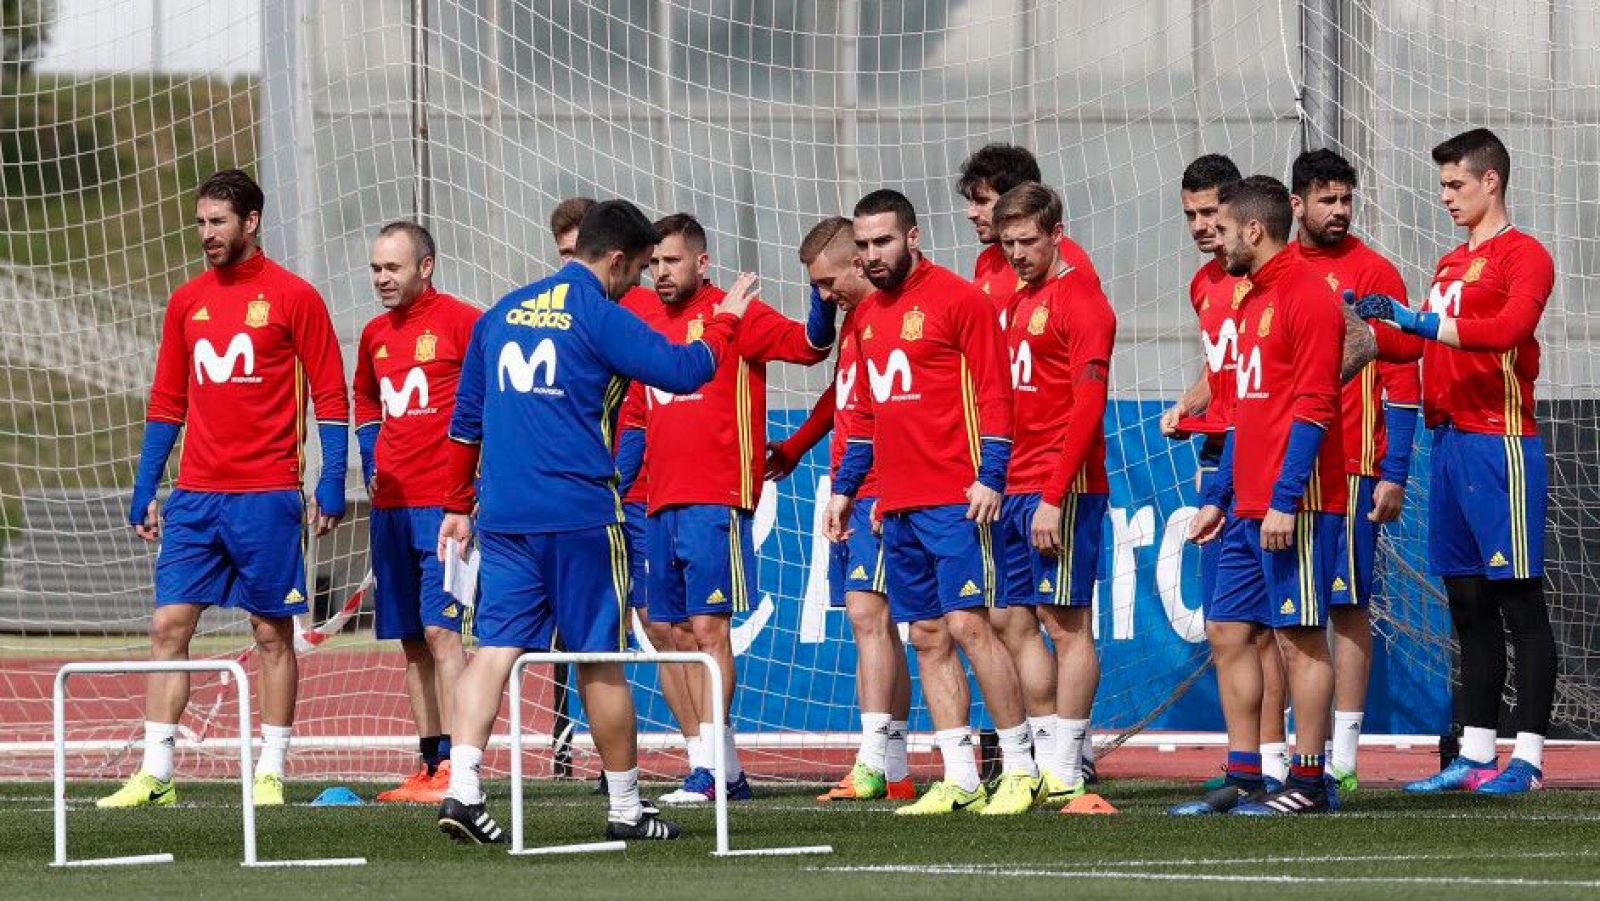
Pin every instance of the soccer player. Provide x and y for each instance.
(936, 420)
(1283, 464)
(234, 344)
(856, 574)
(1060, 336)
(989, 172)
(704, 450)
(1379, 407)
(1487, 500)
(1206, 410)
(408, 363)
(545, 372)
(564, 221)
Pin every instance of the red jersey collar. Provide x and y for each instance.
(919, 273)
(242, 271)
(422, 303)
(1274, 268)
(1347, 245)
(707, 295)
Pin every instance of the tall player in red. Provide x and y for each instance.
(1380, 418)
(705, 454)
(1060, 334)
(1283, 465)
(408, 363)
(993, 170)
(1206, 410)
(1487, 500)
(936, 421)
(240, 343)
(857, 576)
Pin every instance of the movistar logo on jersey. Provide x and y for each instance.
(547, 310)
(396, 401)
(1022, 366)
(1445, 299)
(844, 386)
(523, 371)
(1221, 352)
(217, 368)
(1247, 379)
(897, 369)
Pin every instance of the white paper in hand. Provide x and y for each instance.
(460, 576)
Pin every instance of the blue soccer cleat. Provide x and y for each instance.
(1292, 799)
(1461, 775)
(1220, 800)
(1518, 778)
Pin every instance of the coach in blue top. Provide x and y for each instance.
(544, 375)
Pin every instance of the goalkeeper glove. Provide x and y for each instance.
(1384, 308)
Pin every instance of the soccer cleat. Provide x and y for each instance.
(1518, 778)
(1268, 784)
(1461, 775)
(1290, 799)
(649, 827)
(269, 790)
(1055, 792)
(902, 790)
(862, 783)
(142, 790)
(944, 797)
(1345, 781)
(698, 788)
(1014, 793)
(1090, 774)
(1220, 800)
(738, 789)
(469, 824)
(407, 792)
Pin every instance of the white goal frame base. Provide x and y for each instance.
(241, 683)
(719, 765)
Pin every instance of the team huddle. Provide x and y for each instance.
(603, 447)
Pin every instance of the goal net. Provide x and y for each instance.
(761, 118)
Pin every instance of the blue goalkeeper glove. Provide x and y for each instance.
(1383, 308)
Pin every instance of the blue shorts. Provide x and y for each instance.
(1356, 564)
(1065, 581)
(533, 588)
(856, 564)
(702, 562)
(234, 550)
(1486, 506)
(409, 593)
(638, 561)
(939, 561)
(1279, 589)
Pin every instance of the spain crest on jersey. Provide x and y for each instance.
(255, 315)
(911, 325)
(1036, 322)
(1239, 291)
(866, 333)
(1264, 328)
(1475, 269)
(427, 347)
(697, 327)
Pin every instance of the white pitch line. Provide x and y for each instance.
(1255, 879)
(1336, 858)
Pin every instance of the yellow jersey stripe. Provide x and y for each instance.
(741, 401)
(1513, 408)
(969, 411)
(986, 558)
(1069, 522)
(1304, 558)
(1369, 417)
(620, 580)
(1350, 509)
(1516, 490)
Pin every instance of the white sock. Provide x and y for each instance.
(1477, 744)
(464, 783)
(159, 739)
(1274, 765)
(894, 755)
(1068, 764)
(274, 748)
(1087, 750)
(699, 751)
(624, 790)
(1044, 730)
(874, 740)
(730, 752)
(1530, 747)
(960, 766)
(1016, 750)
(1346, 741)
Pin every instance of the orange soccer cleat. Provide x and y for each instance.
(420, 787)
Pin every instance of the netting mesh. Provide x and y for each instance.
(760, 117)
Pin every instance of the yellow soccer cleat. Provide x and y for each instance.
(1053, 791)
(142, 790)
(269, 790)
(943, 797)
(1014, 793)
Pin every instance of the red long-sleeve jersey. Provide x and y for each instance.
(408, 363)
(239, 346)
(848, 396)
(1216, 297)
(1496, 294)
(935, 363)
(993, 275)
(1060, 337)
(638, 302)
(1291, 339)
(1352, 265)
(708, 447)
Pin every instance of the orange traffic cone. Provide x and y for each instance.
(1088, 804)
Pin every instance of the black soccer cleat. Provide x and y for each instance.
(1290, 799)
(469, 824)
(1226, 799)
(649, 827)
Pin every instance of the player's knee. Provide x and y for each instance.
(969, 630)
(169, 635)
(416, 651)
(711, 633)
(931, 639)
(868, 624)
(441, 644)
